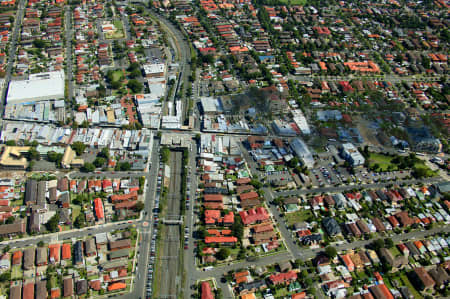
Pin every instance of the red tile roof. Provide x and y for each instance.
(117, 286)
(283, 277)
(66, 251)
(98, 206)
(254, 215)
(209, 240)
(206, 291)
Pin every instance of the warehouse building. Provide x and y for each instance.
(38, 87)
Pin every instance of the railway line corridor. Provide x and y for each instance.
(169, 260)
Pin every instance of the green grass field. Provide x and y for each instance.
(382, 160)
(298, 216)
(118, 24)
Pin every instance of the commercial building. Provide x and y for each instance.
(154, 70)
(38, 87)
(302, 151)
(69, 160)
(211, 105)
(13, 158)
(351, 154)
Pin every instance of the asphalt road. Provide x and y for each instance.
(349, 187)
(69, 58)
(387, 77)
(146, 230)
(12, 50)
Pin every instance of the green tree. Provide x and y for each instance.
(6, 276)
(11, 143)
(39, 43)
(238, 228)
(88, 167)
(52, 224)
(377, 244)
(139, 206)
(78, 147)
(33, 154)
(165, 154)
(223, 254)
(123, 166)
(99, 162)
(80, 221)
(104, 153)
(389, 243)
(331, 252)
(135, 85)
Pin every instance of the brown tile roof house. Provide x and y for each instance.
(285, 266)
(15, 292)
(404, 218)
(41, 256)
(264, 237)
(213, 197)
(291, 200)
(243, 181)
(28, 290)
(440, 276)
(13, 229)
(356, 259)
(244, 188)
(394, 262)
(68, 286)
(248, 195)
(41, 289)
(378, 224)
(89, 247)
(250, 203)
(381, 292)
(120, 244)
(63, 184)
(28, 258)
(96, 284)
(81, 287)
(364, 258)
(362, 225)
(424, 279)
(52, 195)
(353, 229)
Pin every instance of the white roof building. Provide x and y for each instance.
(38, 87)
(302, 151)
(352, 155)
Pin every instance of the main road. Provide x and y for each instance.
(12, 50)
